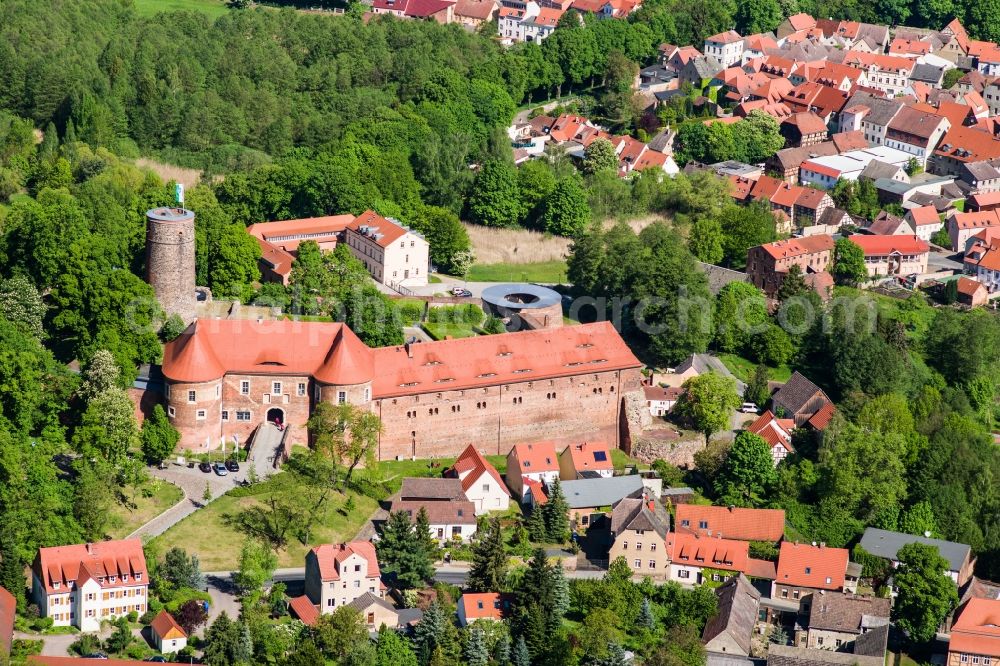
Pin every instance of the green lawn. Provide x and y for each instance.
(213, 8)
(439, 331)
(552, 272)
(125, 520)
(393, 472)
(209, 533)
(743, 368)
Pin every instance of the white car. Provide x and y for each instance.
(749, 408)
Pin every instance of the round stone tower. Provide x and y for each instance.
(170, 265)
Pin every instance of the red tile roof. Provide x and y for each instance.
(8, 609)
(316, 228)
(212, 347)
(78, 563)
(494, 359)
(736, 523)
(372, 225)
(817, 567)
(473, 465)
(968, 144)
(796, 247)
(927, 215)
(968, 286)
(590, 456)
(976, 220)
(980, 199)
(538, 496)
(330, 556)
(727, 37)
(165, 626)
(538, 457)
(847, 141)
(773, 430)
(279, 260)
(801, 21)
(708, 551)
(304, 610)
(484, 605)
(807, 122)
(821, 419)
(876, 246)
(977, 628)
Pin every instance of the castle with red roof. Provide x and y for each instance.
(225, 378)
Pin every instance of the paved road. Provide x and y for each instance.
(192, 482)
(939, 260)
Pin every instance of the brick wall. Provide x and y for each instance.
(170, 267)
(438, 424)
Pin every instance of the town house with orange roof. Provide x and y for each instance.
(982, 260)
(963, 145)
(776, 432)
(975, 635)
(586, 461)
(725, 47)
(287, 234)
(963, 226)
(82, 585)
(925, 221)
(531, 465)
(697, 558)
(337, 574)
(731, 522)
(394, 255)
(768, 264)
(225, 378)
(481, 482)
(893, 255)
(885, 73)
(490, 606)
(804, 569)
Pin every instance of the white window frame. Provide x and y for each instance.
(276, 388)
(171, 412)
(245, 387)
(192, 397)
(201, 415)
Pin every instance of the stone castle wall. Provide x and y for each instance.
(566, 410)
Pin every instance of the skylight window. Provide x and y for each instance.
(487, 374)
(522, 370)
(405, 384)
(444, 380)
(600, 456)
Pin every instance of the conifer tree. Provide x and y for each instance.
(560, 590)
(501, 653)
(489, 563)
(476, 653)
(556, 514)
(422, 530)
(401, 553)
(646, 618)
(536, 524)
(520, 656)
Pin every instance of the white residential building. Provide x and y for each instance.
(82, 585)
(481, 481)
(531, 464)
(726, 47)
(826, 171)
(393, 254)
(337, 574)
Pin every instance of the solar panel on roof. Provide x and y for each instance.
(600, 456)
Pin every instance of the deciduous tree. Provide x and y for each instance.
(708, 402)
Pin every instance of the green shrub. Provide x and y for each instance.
(410, 312)
(468, 313)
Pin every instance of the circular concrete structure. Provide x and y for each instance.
(170, 261)
(524, 306)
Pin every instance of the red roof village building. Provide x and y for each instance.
(337, 574)
(803, 569)
(694, 557)
(803, 129)
(975, 634)
(168, 636)
(82, 585)
(731, 522)
(442, 11)
(776, 432)
(971, 292)
(482, 606)
(768, 264)
(481, 481)
(800, 400)
(526, 463)
(226, 377)
(287, 234)
(893, 255)
(586, 461)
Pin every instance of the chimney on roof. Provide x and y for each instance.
(90, 549)
(732, 507)
(409, 350)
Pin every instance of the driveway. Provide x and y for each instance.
(941, 260)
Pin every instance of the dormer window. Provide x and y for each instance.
(56, 584)
(138, 577)
(809, 570)
(113, 579)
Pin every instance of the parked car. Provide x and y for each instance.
(97, 655)
(749, 408)
(459, 291)
(232, 465)
(205, 467)
(156, 658)
(220, 469)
